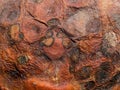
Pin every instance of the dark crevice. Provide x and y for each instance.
(16, 73)
(70, 36)
(40, 22)
(30, 14)
(37, 19)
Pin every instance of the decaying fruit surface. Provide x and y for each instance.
(59, 44)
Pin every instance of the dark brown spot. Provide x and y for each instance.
(22, 59)
(89, 85)
(15, 74)
(21, 35)
(35, 28)
(83, 73)
(102, 76)
(74, 55)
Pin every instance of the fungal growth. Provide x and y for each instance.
(22, 59)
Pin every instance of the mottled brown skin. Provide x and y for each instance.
(59, 44)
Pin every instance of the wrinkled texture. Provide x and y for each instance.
(59, 44)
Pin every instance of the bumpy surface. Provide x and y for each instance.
(59, 44)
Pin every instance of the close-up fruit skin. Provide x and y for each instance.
(59, 44)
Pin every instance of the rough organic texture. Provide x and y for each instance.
(59, 44)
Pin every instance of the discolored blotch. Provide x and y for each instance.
(89, 85)
(74, 55)
(35, 28)
(15, 27)
(83, 73)
(23, 59)
(10, 12)
(77, 29)
(102, 76)
(48, 41)
(15, 33)
(14, 30)
(93, 26)
(13, 15)
(77, 24)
